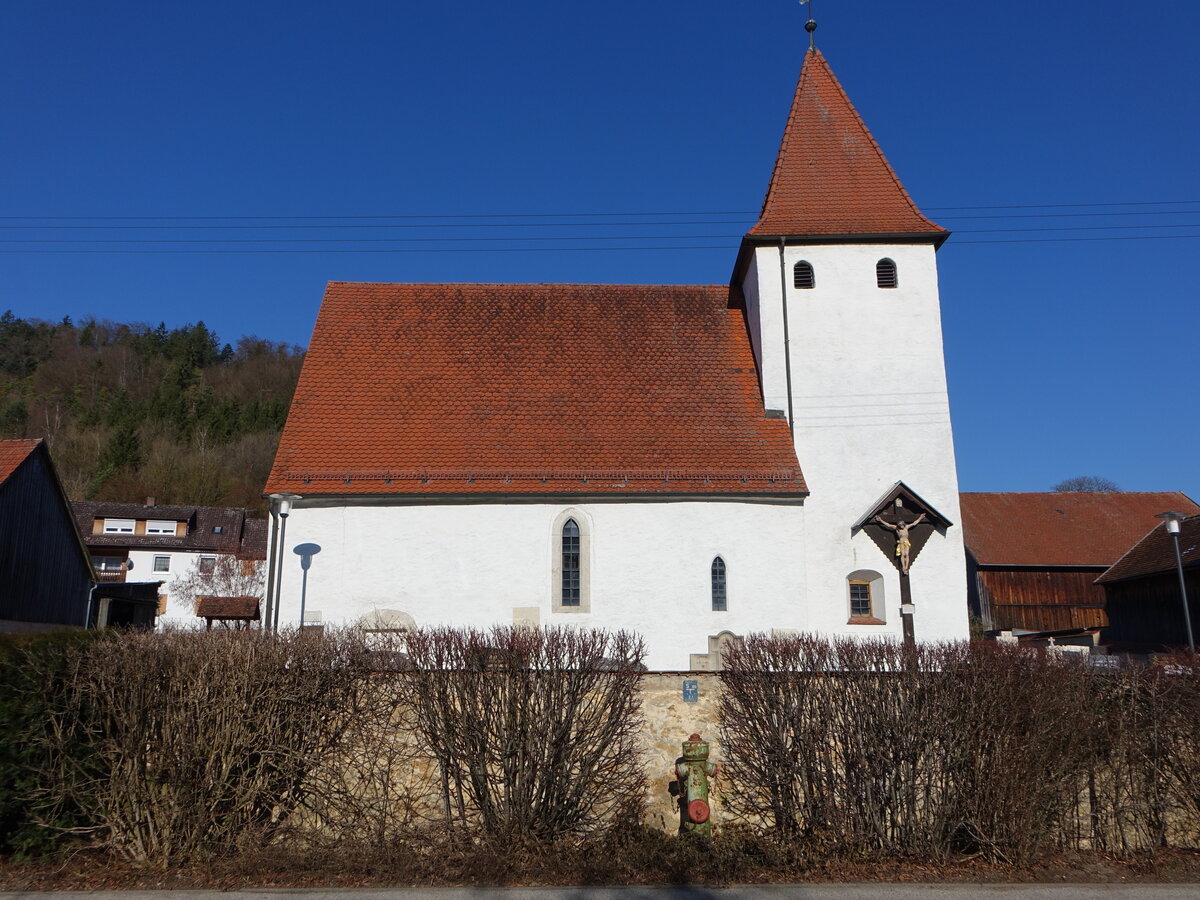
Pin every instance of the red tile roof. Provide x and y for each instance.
(830, 177)
(227, 607)
(1155, 553)
(220, 528)
(12, 454)
(531, 388)
(1062, 529)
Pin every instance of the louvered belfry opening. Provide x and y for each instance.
(803, 277)
(885, 273)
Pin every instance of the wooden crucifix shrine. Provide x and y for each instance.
(900, 524)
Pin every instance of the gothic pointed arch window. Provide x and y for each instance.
(571, 562)
(719, 595)
(885, 273)
(803, 277)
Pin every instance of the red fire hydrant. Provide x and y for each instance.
(693, 771)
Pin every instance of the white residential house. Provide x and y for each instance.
(693, 462)
(151, 542)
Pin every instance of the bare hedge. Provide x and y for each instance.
(869, 748)
(168, 748)
(535, 731)
(196, 743)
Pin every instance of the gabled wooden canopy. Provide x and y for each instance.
(901, 504)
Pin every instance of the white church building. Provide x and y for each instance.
(693, 462)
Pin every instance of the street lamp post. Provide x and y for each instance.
(1172, 520)
(306, 552)
(281, 506)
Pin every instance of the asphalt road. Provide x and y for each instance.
(752, 892)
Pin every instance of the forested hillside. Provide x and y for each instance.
(136, 411)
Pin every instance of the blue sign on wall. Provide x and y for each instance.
(691, 691)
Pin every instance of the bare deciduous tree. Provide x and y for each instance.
(230, 577)
(1085, 483)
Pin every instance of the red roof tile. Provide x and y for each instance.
(830, 177)
(12, 454)
(1062, 529)
(1155, 553)
(531, 388)
(227, 607)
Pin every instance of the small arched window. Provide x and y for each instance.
(864, 590)
(718, 585)
(885, 273)
(570, 563)
(803, 277)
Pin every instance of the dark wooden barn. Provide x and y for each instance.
(1033, 558)
(45, 571)
(1145, 608)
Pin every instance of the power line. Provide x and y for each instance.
(514, 225)
(530, 239)
(571, 215)
(268, 250)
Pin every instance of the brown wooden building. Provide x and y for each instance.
(1033, 558)
(1145, 609)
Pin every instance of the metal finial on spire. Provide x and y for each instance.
(810, 26)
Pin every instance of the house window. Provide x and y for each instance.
(571, 562)
(208, 565)
(718, 585)
(107, 563)
(885, 273)
(860, 599)
(119, 526)
(803, 277)
(156, 526)
(162, 564)
(864, 591)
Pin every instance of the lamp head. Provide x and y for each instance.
(282, 503)
(1172, 519)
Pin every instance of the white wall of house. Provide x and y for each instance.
(487, 563)
(871, 408)
(179, 613)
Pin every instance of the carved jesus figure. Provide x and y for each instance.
(903, 543)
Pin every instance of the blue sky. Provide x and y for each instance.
(1064, 357)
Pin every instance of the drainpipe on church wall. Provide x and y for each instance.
(787, 350)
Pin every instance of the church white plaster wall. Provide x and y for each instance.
(871, 408)
(475, 563)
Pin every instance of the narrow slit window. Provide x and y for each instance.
(885, 273)
(570, 563)
(803, 277)
(719, 603)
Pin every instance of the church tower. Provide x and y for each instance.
(839, 277)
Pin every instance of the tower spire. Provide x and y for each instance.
(830, 177)
(810, 26)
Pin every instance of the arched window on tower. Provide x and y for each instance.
(570, 563)
(885, 273)
(803, 277)
(719, 603)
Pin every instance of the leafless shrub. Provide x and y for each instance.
(861, 748)
(199, 743)
(534, 730)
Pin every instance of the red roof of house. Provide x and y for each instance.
(830, 177)
(1155, 553)
(208, 607)
(531, 388)
(12, 454)
(1062, 529)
